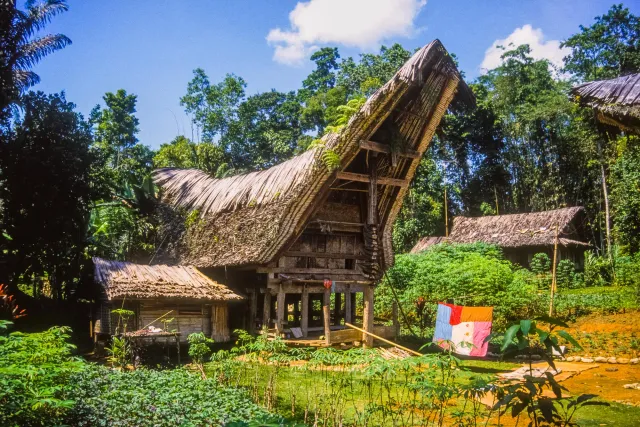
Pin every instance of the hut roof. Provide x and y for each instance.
(136, 281)
(426, 242)
(617, 101)
(251, 218)
(519, 230)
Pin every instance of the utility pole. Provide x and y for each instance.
(553, 272)
(446, 207)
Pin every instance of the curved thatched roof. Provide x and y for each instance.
(136, 281)
(617, 101)
(250, 218)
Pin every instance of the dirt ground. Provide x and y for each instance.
(608, 335)
(607, 381)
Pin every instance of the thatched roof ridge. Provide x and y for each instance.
(248, 219)
(519, 230)
(137, 281)
(617, 101)
(426, 242)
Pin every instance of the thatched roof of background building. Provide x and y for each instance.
(121, 280)
(515, 230)
(617, 101)
(426, 242)
(250, 218)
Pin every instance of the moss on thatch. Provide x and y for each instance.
(251, 218)
(120, 280)
(616, 101)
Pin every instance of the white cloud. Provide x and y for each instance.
(540, 49)
(354, 23)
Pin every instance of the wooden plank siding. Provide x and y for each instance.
(210, 319)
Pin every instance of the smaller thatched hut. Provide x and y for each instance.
(615, 101)
(195, 302)
(522, 235)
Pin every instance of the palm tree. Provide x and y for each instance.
(21, 48)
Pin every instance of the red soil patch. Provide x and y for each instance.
(607, 384)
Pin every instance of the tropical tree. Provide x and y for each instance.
(20, 47)
(609, 48)
(45, 169)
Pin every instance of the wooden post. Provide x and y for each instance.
(280, 310)
(337, 308)
(553, 272)
(326, 316)
(266, 313)
(253, 310)
(394, 317)
(367, 317)
(347, 305)
(326, 313)
(304, 315)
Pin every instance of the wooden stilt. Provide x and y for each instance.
(253, 311)
(394, 317)
(348, 298)
(337, 308)
(367, 317)
(304, 312)
(280, 311)
(326, 314)
(266, 313)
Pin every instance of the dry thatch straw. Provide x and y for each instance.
(250, 218)
(616, 101)
(135, 281)
(516, 230)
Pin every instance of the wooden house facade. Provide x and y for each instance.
(313, 231)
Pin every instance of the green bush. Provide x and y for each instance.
(42, 384)
(540, 263)
(603, 300)
(105, 397)
(471, 274)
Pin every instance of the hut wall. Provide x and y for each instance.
(212, 320)
(220, 323)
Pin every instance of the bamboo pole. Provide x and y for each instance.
(553, 272)
(384, 340)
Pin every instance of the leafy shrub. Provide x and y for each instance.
(34, 376)
(156, 398)
(471, 274)
(566, 275)
(42, 384)
(604, 300)
(540, 263)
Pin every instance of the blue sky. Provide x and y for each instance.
(150, 47)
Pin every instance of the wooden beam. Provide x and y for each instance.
(381, 180)
(304, 315)
(295, 270)
(318, 289)
(326, 316)
(384, 148)
(323, 255)
(372, 336)
(372, 212)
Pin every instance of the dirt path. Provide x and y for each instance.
(607, 381)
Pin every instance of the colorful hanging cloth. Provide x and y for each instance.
(463, 327)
